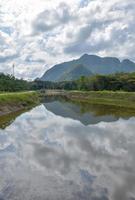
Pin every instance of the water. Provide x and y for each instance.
(63, 150)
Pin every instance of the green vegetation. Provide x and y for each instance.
(116, 89)
(119, 99)
(114, 82)
(11, 84)
(13, 102)
(87, 65)
(16, 97)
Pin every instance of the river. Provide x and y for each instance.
(64, 150)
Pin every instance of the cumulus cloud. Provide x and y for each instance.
(38, 34)
(51, 19)
(107, 30)
(4, 59)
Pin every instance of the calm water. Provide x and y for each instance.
(62, 150)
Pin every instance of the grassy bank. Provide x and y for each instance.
(13, 102)
(119, 99)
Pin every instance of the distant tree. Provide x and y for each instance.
(11, 84)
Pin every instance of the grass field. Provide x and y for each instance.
(12, 102)
(18, 97)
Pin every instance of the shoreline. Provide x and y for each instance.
(17, 101)
(110, 98)
(20, 101)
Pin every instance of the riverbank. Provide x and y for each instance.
(119, 98)
(21, 101)
(17, 101)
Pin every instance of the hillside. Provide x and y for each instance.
(75, 73)
(94, 64)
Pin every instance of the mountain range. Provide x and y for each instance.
(87, 65)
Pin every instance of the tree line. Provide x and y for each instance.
(9, 83)
(114, 82)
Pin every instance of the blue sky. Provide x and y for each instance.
(36, 34)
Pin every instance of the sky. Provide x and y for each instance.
(37, 34)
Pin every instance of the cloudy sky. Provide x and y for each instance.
(36, 34)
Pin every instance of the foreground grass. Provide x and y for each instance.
(12, 102)
(18, 97)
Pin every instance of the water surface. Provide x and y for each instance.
(62, 150)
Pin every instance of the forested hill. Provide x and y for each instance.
(87, 64)
(11, 84)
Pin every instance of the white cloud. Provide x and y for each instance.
(36, 34)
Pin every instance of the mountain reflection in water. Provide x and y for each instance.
(56, 151)
(84, 112)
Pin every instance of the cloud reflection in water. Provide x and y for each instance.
(44, 156)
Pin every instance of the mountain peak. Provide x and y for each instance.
(85, 56)
(88, 64)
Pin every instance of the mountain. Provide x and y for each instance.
(87, 65)
(75, 73)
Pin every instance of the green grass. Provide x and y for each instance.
(13, 104)
(17, 101)
(120, 99)
(18, 97)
